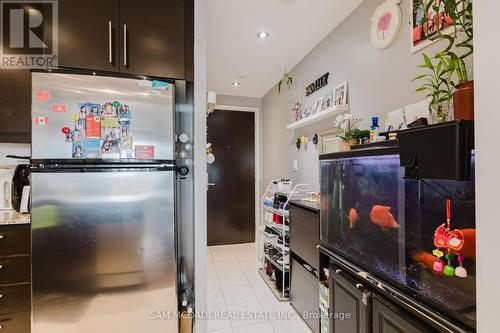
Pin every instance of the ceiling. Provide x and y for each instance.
(235, 53)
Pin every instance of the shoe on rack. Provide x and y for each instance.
(285, 261)
(270, 232)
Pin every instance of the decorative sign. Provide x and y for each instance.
(59, 108)
(317, 85)
(386, 22)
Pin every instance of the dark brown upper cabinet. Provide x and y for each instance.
(152, 36)
(144, 37)
(15, 105)
(88, 34)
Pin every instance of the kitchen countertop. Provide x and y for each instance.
(9, 217)
(314, 206)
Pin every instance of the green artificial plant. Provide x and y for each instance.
(287, 79)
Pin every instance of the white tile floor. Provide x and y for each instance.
(236, 289)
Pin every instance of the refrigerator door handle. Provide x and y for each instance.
(110, 45)
(125, 45)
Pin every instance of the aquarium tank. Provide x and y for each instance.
(386, 224)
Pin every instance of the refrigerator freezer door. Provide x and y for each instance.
(103, 252)
(55, 100)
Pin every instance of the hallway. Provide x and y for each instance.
(236, 289)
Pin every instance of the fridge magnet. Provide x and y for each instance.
(110, 148)
(82, 110)
(144, 152)
(80, 124)
(386, 22)
(78, 151)
(161, 85)
(124, 114)
(126, 150)
(41, 121)
(92, 148)
(75, 117)
(108, 110)
(110, 129)
(340, 94)
(78, 136)
(93, 127)
(124, 131)
(59, 108)
(69, 137)
(93, 110)
(42, 96)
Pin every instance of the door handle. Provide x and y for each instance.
(211, 184)
(110, 45)
(125, 45)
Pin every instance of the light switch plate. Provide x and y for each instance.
(295, 166)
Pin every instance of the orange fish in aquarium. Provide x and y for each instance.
(381, 216)
(353, 217)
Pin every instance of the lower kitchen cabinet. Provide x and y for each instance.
(15, 278)
(389, 318)
(350, 304)
(16, 323)
(304, 292)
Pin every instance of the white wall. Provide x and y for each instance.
(239, 101)
(487, 88)
(379, 82)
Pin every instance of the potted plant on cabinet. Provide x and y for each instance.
(438, 85)
(452, 61)
(352, 135)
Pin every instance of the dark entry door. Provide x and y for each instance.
(231, 190)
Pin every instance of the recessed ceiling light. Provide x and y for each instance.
(263, 34)
(236, 84)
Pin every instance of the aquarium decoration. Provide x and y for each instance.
(451, 241)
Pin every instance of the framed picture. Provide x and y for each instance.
(328, 101)
(317, 105)
(422, 31)
(340, 94)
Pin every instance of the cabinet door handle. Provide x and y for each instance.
(110, 46)
(125, 45)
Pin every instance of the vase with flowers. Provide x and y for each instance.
(351, 134)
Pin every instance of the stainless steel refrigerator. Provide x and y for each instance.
(103, 231)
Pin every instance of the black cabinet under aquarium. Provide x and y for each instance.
(395, 229)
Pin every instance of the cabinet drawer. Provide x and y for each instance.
(16, 298)
(304, 291)
(18, 323)
(14, 240)
(15, 270)
(304, 235)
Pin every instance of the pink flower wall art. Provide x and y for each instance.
(386, 22)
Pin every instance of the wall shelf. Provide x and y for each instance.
(322, 115)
